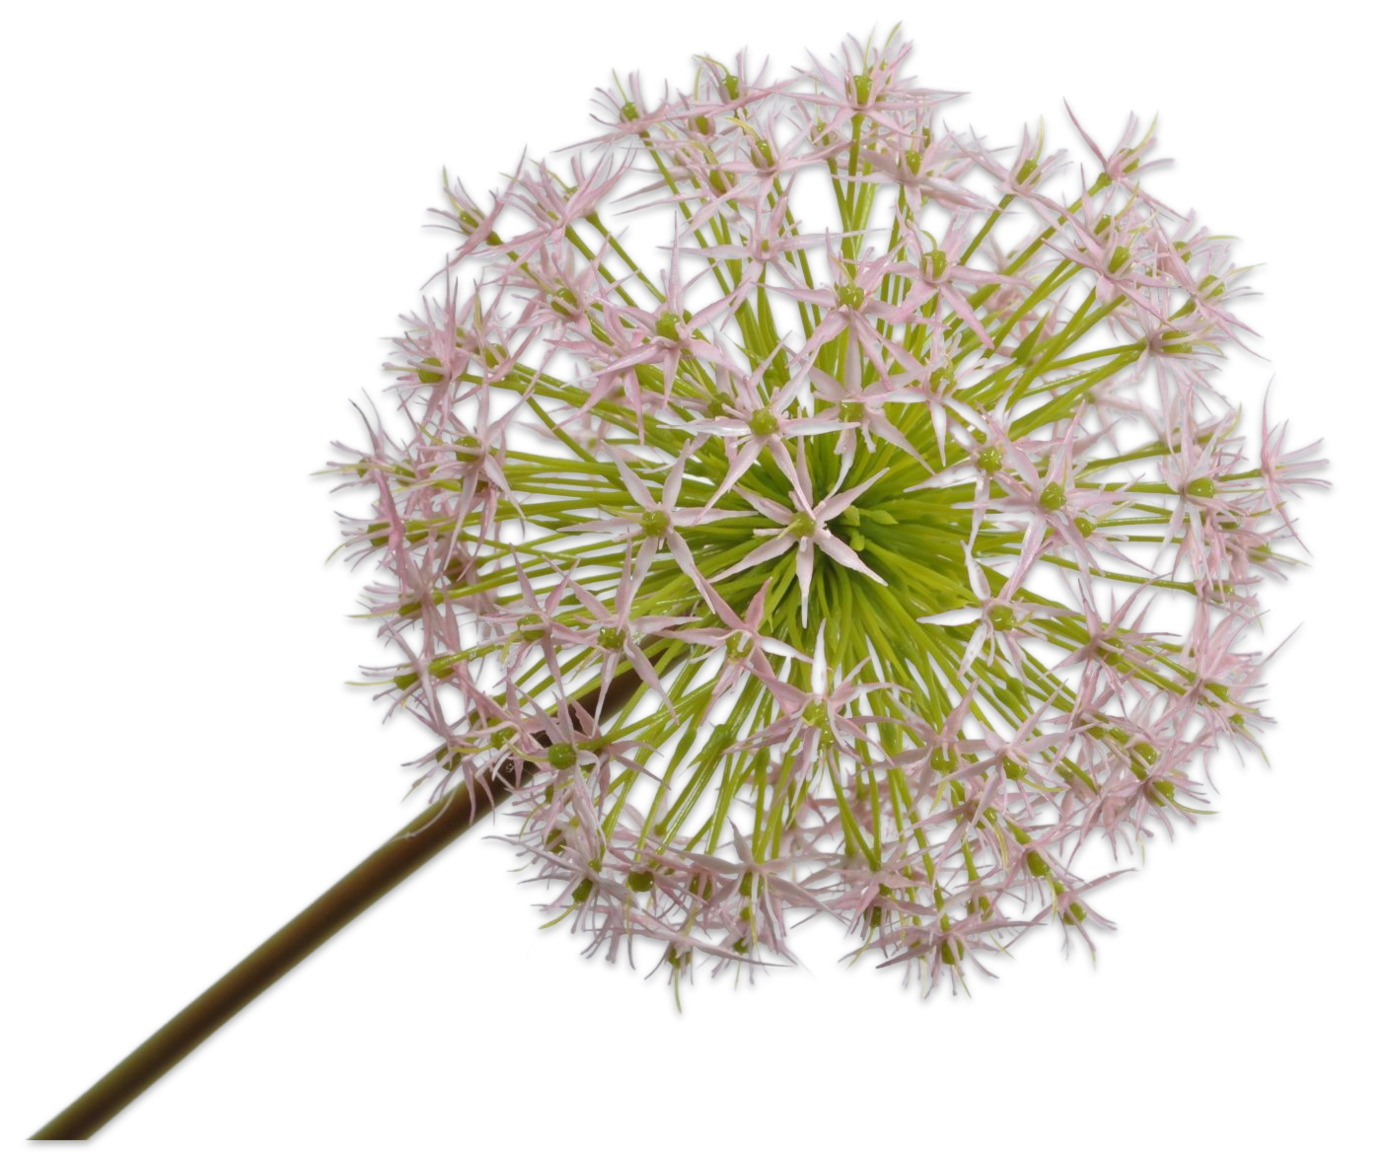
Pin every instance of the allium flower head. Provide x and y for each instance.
(809, 510)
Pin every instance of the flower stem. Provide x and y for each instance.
(415, 844)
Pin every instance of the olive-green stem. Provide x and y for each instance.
(415, 844)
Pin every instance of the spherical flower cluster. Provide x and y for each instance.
(862, 540)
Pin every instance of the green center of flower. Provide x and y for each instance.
(629, 111)
(427, 377)
(668, 326)
(562, 756)
(802, 525)
(850, 296)
(816, 713)
(1053, 497)
(565, 303)
(1002, 618)
(939, 263)
(991, 459)
(655, 522)
(1203, 488)
(851, 410)
(530, 626)
(739, 646)
(764, 422)
(611, 638)
(913, 161)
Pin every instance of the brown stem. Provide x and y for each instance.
(429, 833)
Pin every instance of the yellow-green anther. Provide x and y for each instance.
(913, 161)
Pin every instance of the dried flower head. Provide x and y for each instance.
(863, 538)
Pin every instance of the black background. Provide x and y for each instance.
(213, 774)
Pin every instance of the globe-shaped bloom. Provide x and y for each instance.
(807, 510)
